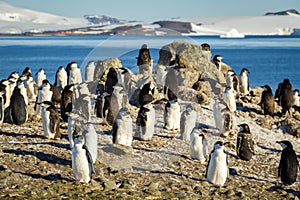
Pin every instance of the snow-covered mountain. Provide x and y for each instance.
(24, 21)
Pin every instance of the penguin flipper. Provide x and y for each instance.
(89, 157)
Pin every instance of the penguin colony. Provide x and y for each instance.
(69, 100)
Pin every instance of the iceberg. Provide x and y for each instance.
(233, 33)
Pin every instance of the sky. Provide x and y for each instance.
(151, 10)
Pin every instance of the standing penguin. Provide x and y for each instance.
(82, 162)
(217, 169)
(198, 146)
(217, 59)
(232, 81)
(172, 115)
(61, 78)
(161, 74)
(187, 123)
(244, 81)
(288, 166)
(66, 102)
(18, 109)
(286, 96)
(39, 77)
(229, 98)
(91, 140)
(144, 61)
(119, 99)
(44, 94)
(1, 107)
(267, 101)
(111, 80)
(89, 71)
(50, 119)
(31, 88)
(223, 117)
(145, 122)
(122, 128)
(244, 144)
(296, 98)
(75, 76)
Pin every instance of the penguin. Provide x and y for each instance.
(44, 94)
(89, 71)
(66, 102)
(82, 105)
(50, 119)
(171, 82)
(111, 80)
(74, 74)
(18, 112)
(1, 107)
(146, 94)
(232, 81)
(198, 146)
(161, 74)
(27, 72)
(296, 98)
(122, 128)
(145, 122)
(217, 169)
(229, 98)
(244, 144)
(39, 77)
(125, 79)
(119, 99)
(288, 166)
(56, 95)
(61, 78)
(108, 117)
(144, 61)
(91, 140)
(23, 90)
(223, 118)
(286, 96)
(82, 163)
(244, 81)
(267, 101)
(187, 123)
(30, 88)
(217, 59)
(206, 50)
(277, 93)
(172, 115)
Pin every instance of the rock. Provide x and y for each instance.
(109, 185)
(102, 67)
(293, 128)
(191, 56)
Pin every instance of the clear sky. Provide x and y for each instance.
(150, 10)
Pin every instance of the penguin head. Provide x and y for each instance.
(79, 140)
(267, 88)
(47, 104)
(217, 58)
(285, 144)
(245, 71)
(244, 128)
(296, 92)
(218, 145)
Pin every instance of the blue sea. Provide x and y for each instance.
(269, 59)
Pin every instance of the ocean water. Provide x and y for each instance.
(269, 59)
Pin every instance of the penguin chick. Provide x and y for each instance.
(244, 146)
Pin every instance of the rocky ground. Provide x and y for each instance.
(32, 167)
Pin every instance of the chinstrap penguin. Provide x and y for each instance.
(198, 146)
(217, 169)
(50, 119)
(82, 162)
(288, 166)
(122, 131)
(145, 122)
(245, 143)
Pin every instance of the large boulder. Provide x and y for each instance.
(103, 67)
(192, 57)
